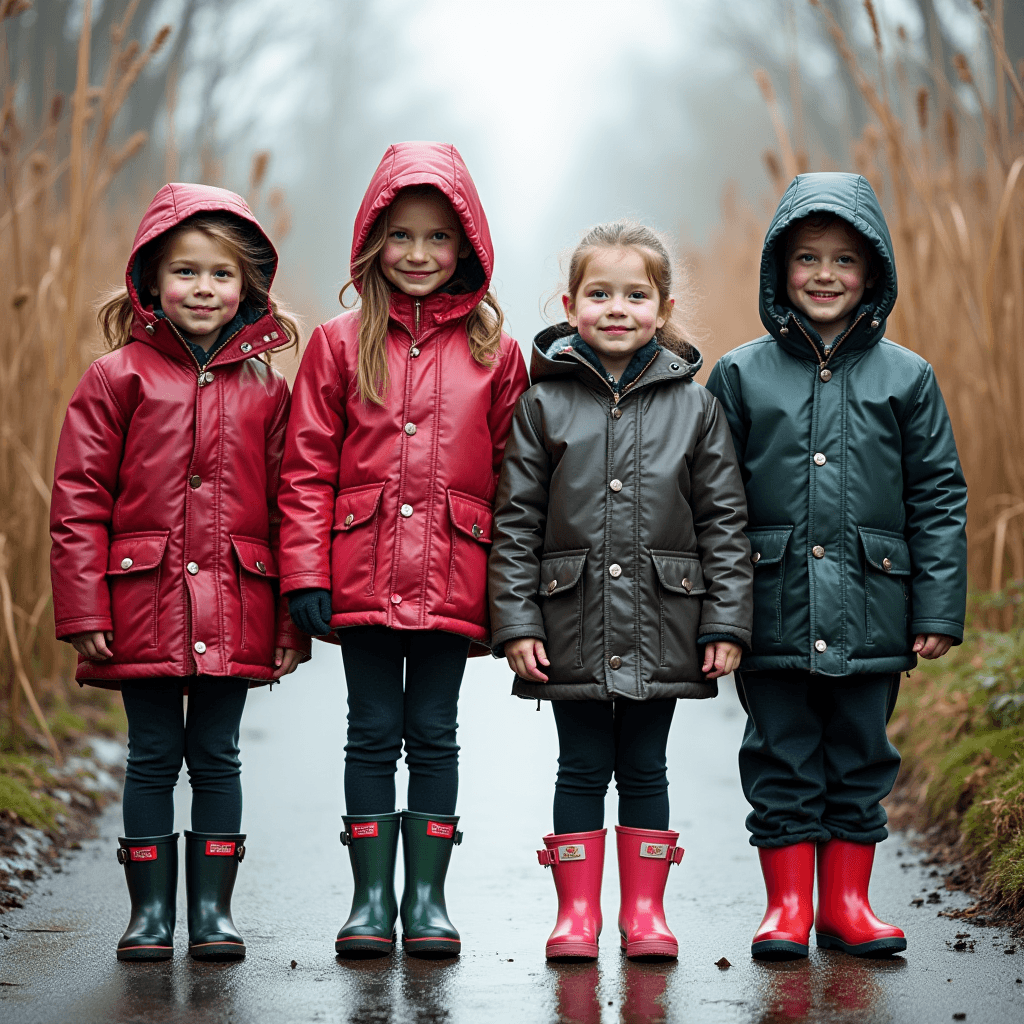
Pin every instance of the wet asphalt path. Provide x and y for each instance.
(293, 893)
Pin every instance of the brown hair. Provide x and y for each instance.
(820, 222)
(654, 251)
(116, 312)
(483, 323)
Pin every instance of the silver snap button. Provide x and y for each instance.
(756, 557)
(616, 413)
(396, 598)
(552, 586)
(151, 329)
(818, 551)
(349, 519)
(410, 428)
(820, 646)
(414, 352)
(245, 346)
(887, 564)
(784, 331)
(199, 647)
(616, 485)
(615, 570)
(262, 567)
(673, 366)
(126, 563)
(615, 661)
(192, 567)
(875, 324)
(825, 375)
(819, 459)
(686, 584)
(406, 510)
(477, 531)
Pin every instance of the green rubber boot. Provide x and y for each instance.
(151, 869)
(372, 841)
(211, 865)
(427, 841)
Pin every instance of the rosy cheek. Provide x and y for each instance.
(174, 293)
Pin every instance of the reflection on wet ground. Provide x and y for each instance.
(294, 888)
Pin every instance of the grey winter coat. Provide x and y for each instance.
(618, 528)
(858, 505)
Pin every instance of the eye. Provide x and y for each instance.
(598, 293)
(184, 271)
(440, 236)
(399, 236)
(805, 257)
(848, 261)
(223, 274)
(638, 295)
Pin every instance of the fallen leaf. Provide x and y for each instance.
(723, 964)
(295, 964)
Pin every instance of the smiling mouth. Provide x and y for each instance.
(201, 309)
(615, 330)
(418, 273)
(824, 295)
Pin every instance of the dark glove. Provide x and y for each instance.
(311, 610)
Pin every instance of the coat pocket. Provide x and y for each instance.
(680, 586)
(561, 605)
(768, 553)
(354, 538)
(471, 522)
(257, 584)
(134, 566)
(886, 568)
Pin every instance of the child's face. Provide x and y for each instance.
(826, 274)
(200, 285)
(424, 244)
(616, 308)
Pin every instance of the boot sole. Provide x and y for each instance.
(432, 948)
(571, 951)
(876, 947)
(650, 949)
(145, 953)
(217, 951)
(778, 949)
(364, 947)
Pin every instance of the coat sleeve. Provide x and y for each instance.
(287, 633)
(309, 473)
(85, 476)
(509, 384)
(521, 509)
(719, 506)
(935, 497)
(722, 387)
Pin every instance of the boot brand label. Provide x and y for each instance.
(219, 848)
(655, 851)
(572, 852)
(142, 852)
(440, 830)
(364, 830)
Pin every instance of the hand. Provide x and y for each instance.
(286, 661)
(523, 656)
(721, 658)
(311, 610)
(932, 645)
(93, 646)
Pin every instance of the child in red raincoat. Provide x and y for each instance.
(401, 410)
(164, 524)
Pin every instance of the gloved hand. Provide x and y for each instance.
(311, 610)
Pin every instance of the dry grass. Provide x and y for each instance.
(948, 173)
(58, 246)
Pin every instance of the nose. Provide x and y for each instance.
(417, 254)
(617, 307)
(204, 284)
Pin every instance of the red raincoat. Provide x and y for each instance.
(389, 507)
(164, 514)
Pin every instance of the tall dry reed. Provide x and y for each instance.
(58, 246)
(949, 174)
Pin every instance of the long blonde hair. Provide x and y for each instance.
(116, 312)
(675, 335)
(483, 323)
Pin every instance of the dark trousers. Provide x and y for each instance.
(598, 739)
(815, 762)
(382, 713)
(161, 736)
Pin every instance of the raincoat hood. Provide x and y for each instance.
(438, 164)
(174, 203)
(851, 197)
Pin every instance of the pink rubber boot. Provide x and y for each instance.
(645, 855)
(576, 860)
(789, 880)
(845, 920)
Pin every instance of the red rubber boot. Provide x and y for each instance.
(576, 860)
(845, 920)
(645, 855)
(785, 928)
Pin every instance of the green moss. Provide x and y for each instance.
(1002, 799)
(952, 771)
(65, 724)
(15, 795)
(1006, 875)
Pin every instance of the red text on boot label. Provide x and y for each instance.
(440, 830)
(656, 851)
(218, 848)
(364, 830)
(572, 851)
(142, 853)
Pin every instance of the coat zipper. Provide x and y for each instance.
(823, 359)
(416, 319)
(616, 396)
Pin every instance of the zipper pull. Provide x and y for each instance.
(417, 316)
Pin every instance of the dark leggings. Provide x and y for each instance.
(597, 739)
(161, 736)
(382, 713)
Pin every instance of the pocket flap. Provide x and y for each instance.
(136, 552)
(561, 572)
(471, 516)
(355, 505)
(680, 573)
(886, 552)
(768, 544)
(255, 556)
